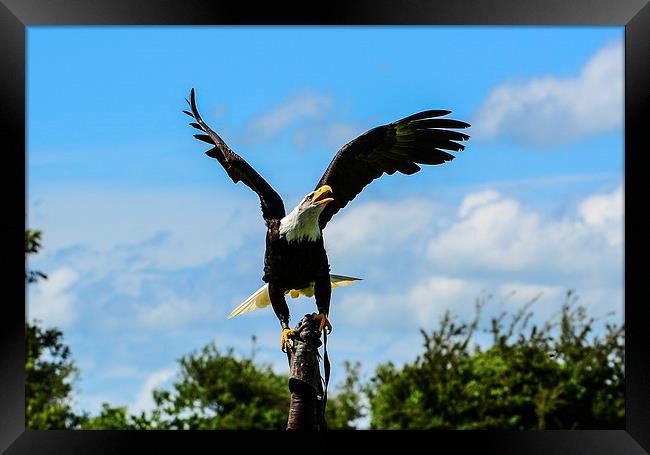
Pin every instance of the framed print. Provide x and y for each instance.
(532, 205)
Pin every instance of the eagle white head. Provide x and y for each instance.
(302, 222)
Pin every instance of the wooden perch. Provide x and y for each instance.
(307, 410)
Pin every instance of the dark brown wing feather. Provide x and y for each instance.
(397, 147)
(236, 167)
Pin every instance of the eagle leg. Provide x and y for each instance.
(324, 322)
(279, 303)
(323, 294)
(285, 342)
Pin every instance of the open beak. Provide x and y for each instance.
(320, 196)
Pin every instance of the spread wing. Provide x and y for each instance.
(400, 146)
(236, 167)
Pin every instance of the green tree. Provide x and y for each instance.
(220, 390)
(118, 418)
(557, 376)
(49, 377)
(344, 408)
(50, 371)
(32, 246)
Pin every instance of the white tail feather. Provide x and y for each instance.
(261, 298)
(341, 280)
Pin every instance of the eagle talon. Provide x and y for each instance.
(324, 322)
(285, 342)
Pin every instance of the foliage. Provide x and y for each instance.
(49, 377)
(118, 418)
(32, 246)
(346, 406)
(49, 369)
(220, 391)
(556, 376)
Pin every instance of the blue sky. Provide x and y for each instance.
(149, 245)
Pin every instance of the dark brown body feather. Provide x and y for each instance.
(400, 146)
(293, 265)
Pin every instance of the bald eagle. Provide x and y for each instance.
(295, 261)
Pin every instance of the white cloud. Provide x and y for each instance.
(548, 298)
(474, 200)
(310, 117)
(91, 403)
(173, 312)
(302, 106)
(529, 291)
(122, 371)
(430, 299)
(168, 228)
(144, 399)
(339, 133)
(156, 270)
(52, 300)
(420, 305)
(492, 234)
(326, 132)
(488, 243)
(504, 236)
(364, 228)
(604, 212)
(551, 111)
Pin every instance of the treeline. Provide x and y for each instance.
(557, 375)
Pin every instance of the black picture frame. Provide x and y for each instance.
(16, 15)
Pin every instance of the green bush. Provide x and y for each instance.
(557, 376)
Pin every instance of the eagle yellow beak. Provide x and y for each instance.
(319, 195)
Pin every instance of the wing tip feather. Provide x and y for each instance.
(429, 113)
